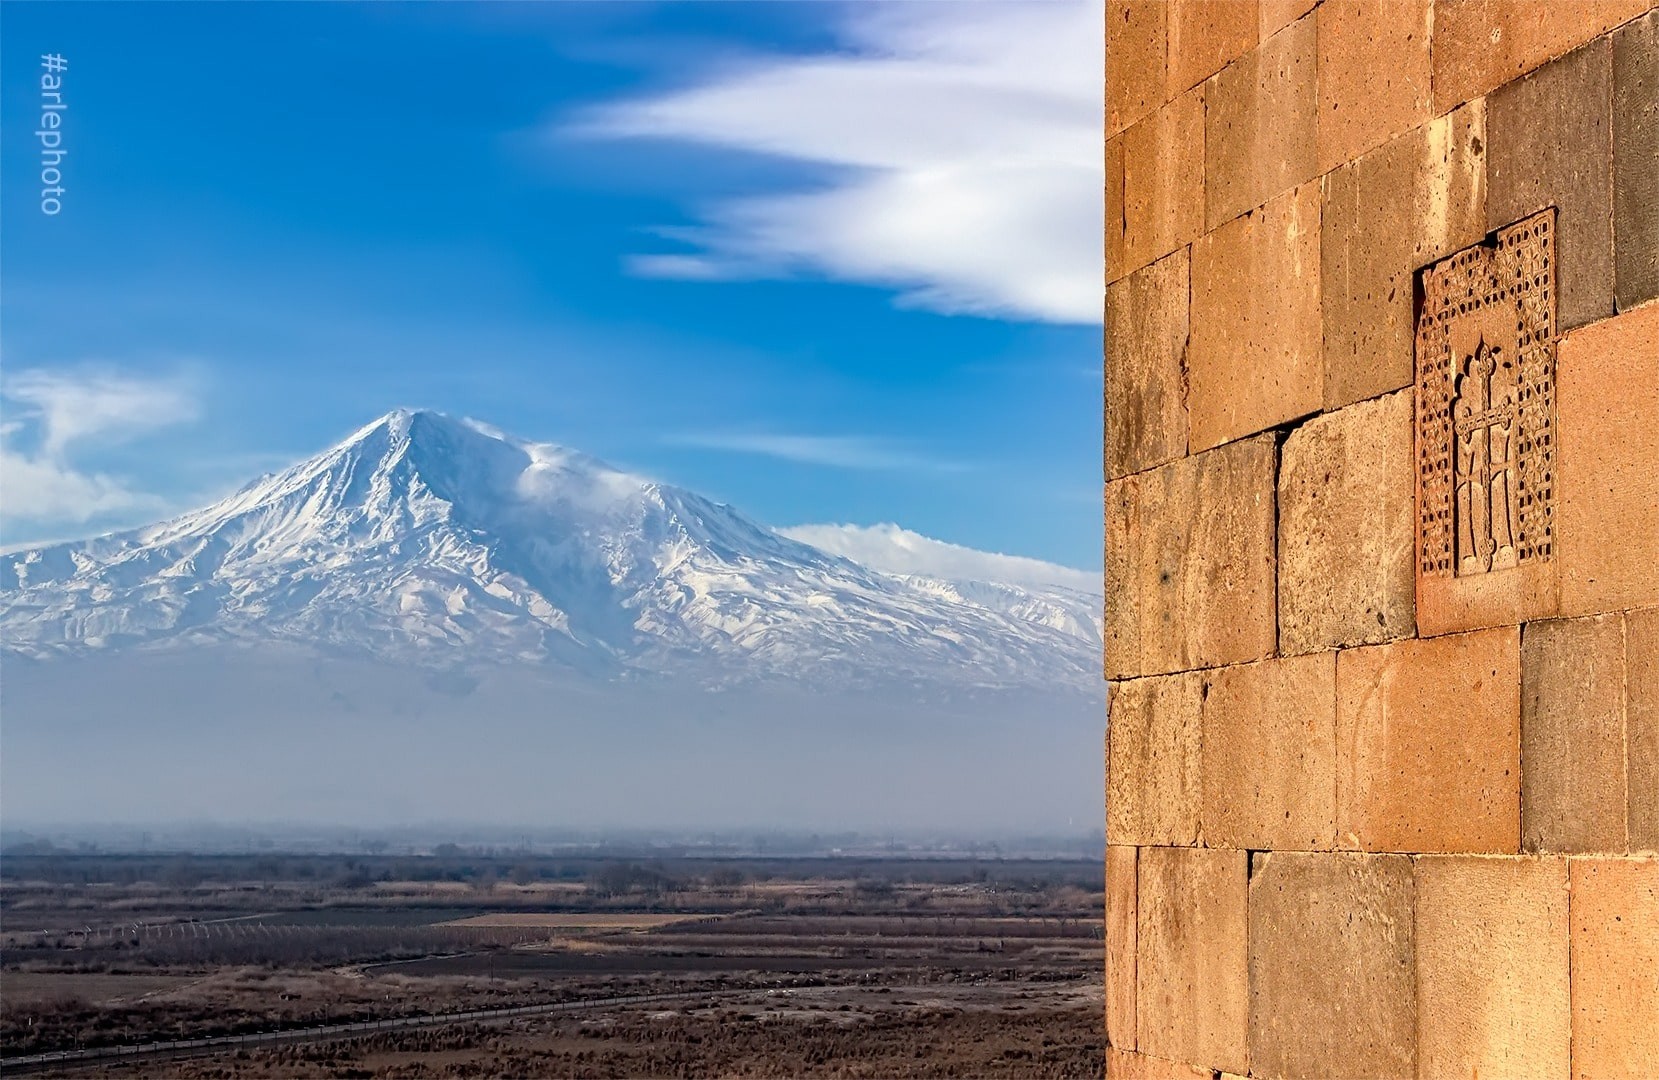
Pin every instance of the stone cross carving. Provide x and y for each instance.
(1483, 425)
(1486, 405)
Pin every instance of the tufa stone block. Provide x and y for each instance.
(1428, 744)
(1278, 14)
(1120, 946)
(1163, 181)
(1114, 208)
(1206, 35)
(1136, 32)
(1332, 989)
(1492, 984)
(1607, 463)
(1127, 1065)
(1146, 362)
(1260, 124)
(1190, 562)
(1641, 720)
(1573, 793)
(1346, 534)
(1269, 754)
(1615, 967)
(1550, 144)
(1152, 766)
(1255, 355)
(1191, 942)
(1373, 74)
(1636, 162)
(1481, 44)
(1412, 201)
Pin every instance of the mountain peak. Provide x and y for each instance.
(436, 439)
(407, 422)
(422, 530)
(404, 426)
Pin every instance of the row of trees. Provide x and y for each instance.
(450, 863)
(238, 943)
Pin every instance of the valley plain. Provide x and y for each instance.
(584, 964)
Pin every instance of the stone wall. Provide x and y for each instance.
(1382, 538)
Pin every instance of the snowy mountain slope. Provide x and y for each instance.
(437, 540)
(1027, 589)
(897, 550)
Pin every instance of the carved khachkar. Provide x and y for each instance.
(1485, 404)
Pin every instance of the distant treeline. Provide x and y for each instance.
(605, 874)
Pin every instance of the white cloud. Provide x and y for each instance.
(964, 147)
(39, 489)
(72, 405)
(61, 412)
(899, 551)
(839, 451)
(684, 267)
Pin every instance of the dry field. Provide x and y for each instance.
(879, 973)
(898, 1031)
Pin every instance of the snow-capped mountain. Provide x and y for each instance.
(432, 539)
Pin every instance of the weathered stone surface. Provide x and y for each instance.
(1332, 990)
(1373, 74)
(1120, 946)
(1573, 792)
(1127, 1065)
(1550, 143)
(1428, 744)
(1492, 987)
(1346, 535)
(1152, 768)
(1278, 14)
(1636, 162)
(1412, 201)
(1163, 180)
(1486, 440)
(1191, 943)
(1481, 44)
(1260, 124)
(1607, 464)
(1615, 967)
(1255, 357)
(1146, 359)
(1190, 562)
(1114, 208)
(1641, 718)
(1269, 754)
(1136, 32)
(1204, 36)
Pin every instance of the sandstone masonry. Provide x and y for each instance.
(1382, 538)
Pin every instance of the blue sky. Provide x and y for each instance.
(829, 263)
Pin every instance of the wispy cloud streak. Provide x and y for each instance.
(836, 451)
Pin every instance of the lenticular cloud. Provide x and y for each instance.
(962, 155)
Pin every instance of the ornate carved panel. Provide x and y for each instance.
(1485, 404)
